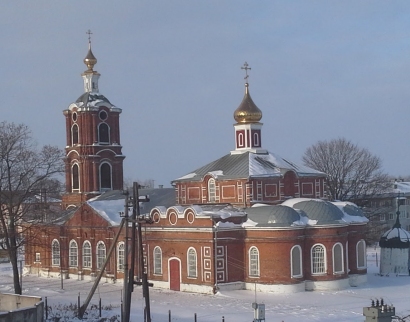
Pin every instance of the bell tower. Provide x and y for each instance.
(93, 157)
(248, 129)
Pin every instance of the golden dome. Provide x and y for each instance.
(90, 59)
(247, 112)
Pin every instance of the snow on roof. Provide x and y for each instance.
(304, 220)
(401, 186)
(259, 205)
(270, 163)
(350, 212)
(216, 173)
(108, 209)
(188, 176)
(404, 235)
(223, 213)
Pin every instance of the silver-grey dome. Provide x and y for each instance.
(323, 211)
(275, 216)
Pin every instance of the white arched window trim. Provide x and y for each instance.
(101, 253)
(157, 260)
(55, 253)
(256, 141)
(254, 268)
(294, 266)
(241, 140)
(99, 172)
(99, 135)
(318, 259)
(120, 256)
(87, 257)
(75, 140)
(73, 253)
(211, 190)
(335, 269)
(361, 254)
(192, 263)
(78, 177)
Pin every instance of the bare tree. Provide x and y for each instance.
(23, 168)
(353, 172)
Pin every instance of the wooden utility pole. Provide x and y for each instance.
(143, 274)
(101, 272)
(136, 222)
(126, 296)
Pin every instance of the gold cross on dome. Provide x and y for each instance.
(89, 33)
(245, 67)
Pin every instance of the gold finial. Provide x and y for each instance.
(245, 67)
(90, 59)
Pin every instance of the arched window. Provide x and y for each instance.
(55, 253)
(241, 141)
(338, 262)
(75, 178)
(100, 254)
(73, 254)
(74, 134)
(361, 254)
(192, 269)
(256, 139)
(254, 262)
(86, 254)
(296, 261)
(121, 256)
(318, 259)
(211, 190)
(158, 261)
(105, 176)
(103, 133)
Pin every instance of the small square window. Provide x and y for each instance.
(37, 257)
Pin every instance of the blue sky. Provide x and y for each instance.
(320, 70)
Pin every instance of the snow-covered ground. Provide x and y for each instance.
(235, 306)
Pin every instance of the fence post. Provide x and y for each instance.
(195, 317)
(45, 302)
(99, 305)
(169, 315)
(78, 305)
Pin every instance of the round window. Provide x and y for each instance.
(103, 115)
(74, 116)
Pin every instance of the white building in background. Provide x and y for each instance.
(394, 250)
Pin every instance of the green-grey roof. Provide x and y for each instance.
(248, 165)
(323, 211)
(273, 216)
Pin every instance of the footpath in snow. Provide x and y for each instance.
(235, 306)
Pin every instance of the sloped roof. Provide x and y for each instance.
(249, 165)
(325, 212)
(91, 99)
(274, 216)
(110, 204)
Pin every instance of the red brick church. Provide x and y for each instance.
(247, 220)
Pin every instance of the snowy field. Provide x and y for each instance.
(235, 306)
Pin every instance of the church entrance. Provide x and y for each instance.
(174, 275)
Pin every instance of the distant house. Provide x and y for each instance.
(250, 219)
(381, 209)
